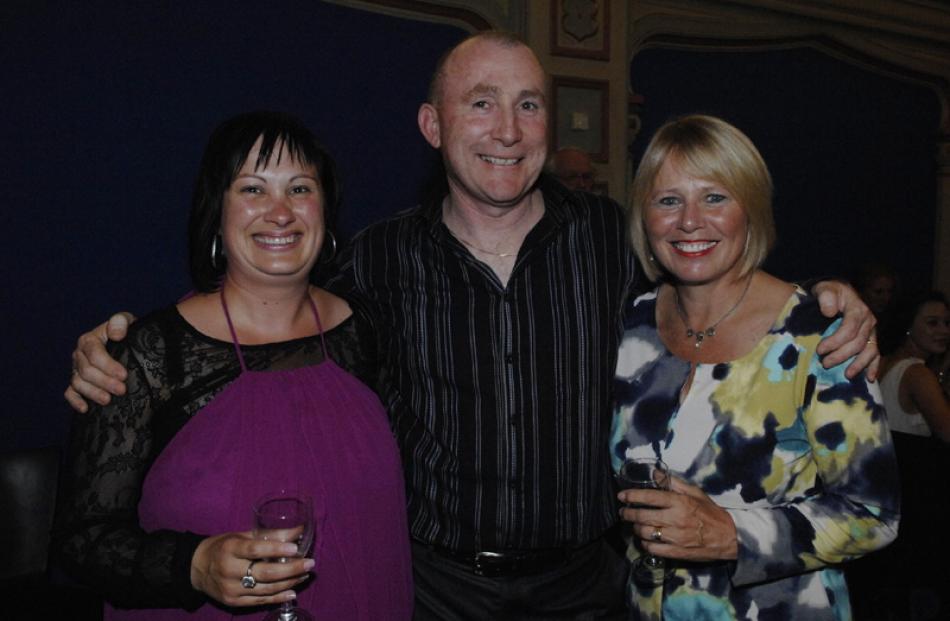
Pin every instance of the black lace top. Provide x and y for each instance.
(173, 371)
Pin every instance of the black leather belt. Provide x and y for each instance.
(494, 564)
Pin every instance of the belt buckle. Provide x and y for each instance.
(490, 564)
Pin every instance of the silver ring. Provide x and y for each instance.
(656, 536)
(248, 581)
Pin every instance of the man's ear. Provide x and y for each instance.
(428, 118)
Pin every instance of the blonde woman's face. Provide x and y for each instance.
(696, 228)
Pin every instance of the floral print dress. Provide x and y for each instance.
(799, 456)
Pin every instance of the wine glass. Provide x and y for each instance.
(646, 473)
(287, 517)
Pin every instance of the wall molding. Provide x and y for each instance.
(471, 15)
(906, 40)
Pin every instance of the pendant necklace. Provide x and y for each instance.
(709, 332)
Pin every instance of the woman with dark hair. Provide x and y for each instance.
(916, 404)
(918, 413)
(246, 387)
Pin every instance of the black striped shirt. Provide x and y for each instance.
(499, 396)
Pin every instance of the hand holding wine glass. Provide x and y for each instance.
(288, 518)
(647, 473)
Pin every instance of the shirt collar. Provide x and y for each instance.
(558, 203)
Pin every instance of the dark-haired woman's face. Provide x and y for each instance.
(930, 331)
(272, 221)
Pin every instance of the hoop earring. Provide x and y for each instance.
(217, 252)
(332, 254)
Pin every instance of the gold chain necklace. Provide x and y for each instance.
(709, 332)
(482, 250)
(446, 216)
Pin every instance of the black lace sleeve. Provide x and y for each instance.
(97, 537)
(173, 372)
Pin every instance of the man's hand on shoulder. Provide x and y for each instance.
(855, 336)
(96, 375)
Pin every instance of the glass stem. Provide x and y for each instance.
(288, 612)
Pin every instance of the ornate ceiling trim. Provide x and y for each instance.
(824, 43)
(876, 40)
(471, 15)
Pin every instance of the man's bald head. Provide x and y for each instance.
(499, 37)
(574, 168)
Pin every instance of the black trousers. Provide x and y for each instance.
(589, 586)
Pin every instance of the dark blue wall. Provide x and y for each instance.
(104, 111)
(851, 152)
(105, 107)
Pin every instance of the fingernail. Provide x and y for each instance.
(288, 549)
(308, 564)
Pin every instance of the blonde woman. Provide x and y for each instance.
(783, 469)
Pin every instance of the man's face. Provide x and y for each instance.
(877, 295)
(574, 169)
(490, 123)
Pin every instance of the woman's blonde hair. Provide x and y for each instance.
(709, 148)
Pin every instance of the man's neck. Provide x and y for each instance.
(493, 235)
(488, 224)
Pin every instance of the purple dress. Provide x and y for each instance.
(317, 429)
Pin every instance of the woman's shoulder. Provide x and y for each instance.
(155, 326)
(892, 366)
(149, 341)
(802, 317)
(640, 310)
(795, 338)
(333, 309)
(916, 372)
(641, 344)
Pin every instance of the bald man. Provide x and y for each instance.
(573, 168)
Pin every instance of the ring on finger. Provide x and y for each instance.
(248, 581)
(657, 534)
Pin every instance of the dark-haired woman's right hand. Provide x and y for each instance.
(221, 563)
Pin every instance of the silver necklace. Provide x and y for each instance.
(709, 332)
